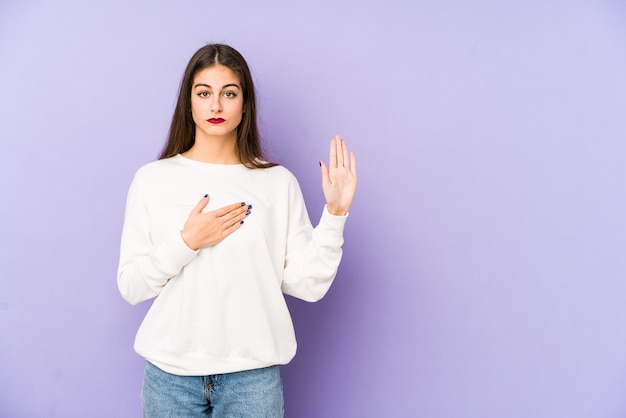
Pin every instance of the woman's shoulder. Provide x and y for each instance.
(165, 163)
(155, 168)
(278, 172)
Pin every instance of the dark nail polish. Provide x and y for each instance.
(206, 195)
(248, 213)
(320, 163)
(243, 203)
(249, 206)
(241, 222)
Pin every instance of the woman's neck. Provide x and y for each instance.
(213, 150)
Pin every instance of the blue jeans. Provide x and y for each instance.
(250, 394)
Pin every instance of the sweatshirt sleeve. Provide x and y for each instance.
(145, 267)
(313, 254)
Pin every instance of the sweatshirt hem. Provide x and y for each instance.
(201, 364)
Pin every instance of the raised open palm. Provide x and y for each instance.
(339, 178)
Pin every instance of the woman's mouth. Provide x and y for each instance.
(215, 120)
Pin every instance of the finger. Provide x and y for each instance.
(232, 228)
(241, 206)
(352, 162)
(332, 158)
(235, 220)
(345, 154)
(201, 204)
(339, 147)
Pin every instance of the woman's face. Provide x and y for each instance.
(216, 103)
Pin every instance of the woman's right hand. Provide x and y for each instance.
(204, 230)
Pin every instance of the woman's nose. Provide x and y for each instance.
(216, 105)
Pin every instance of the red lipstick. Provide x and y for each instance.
(215, 120)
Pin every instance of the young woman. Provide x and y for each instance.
(216, 235)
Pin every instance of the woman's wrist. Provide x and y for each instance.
(336, 211)
(187, 241)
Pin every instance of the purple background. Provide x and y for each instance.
(484, 270)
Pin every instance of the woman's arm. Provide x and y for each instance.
(146, 266)
(313, 255)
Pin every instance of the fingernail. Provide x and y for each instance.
(241, 222)
(249, 206)
(206, 195)
(248, 213)
(320, 163)
(243, 203)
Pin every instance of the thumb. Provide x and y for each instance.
(201, 204)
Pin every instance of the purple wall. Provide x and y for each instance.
(485, 264)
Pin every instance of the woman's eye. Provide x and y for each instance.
(230, 94)
(203, 94)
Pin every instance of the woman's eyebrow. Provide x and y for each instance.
(226, 85)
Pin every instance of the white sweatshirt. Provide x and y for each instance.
(221, 309)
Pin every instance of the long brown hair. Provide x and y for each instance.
(182, 134)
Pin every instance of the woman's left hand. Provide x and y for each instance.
(339, 177)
